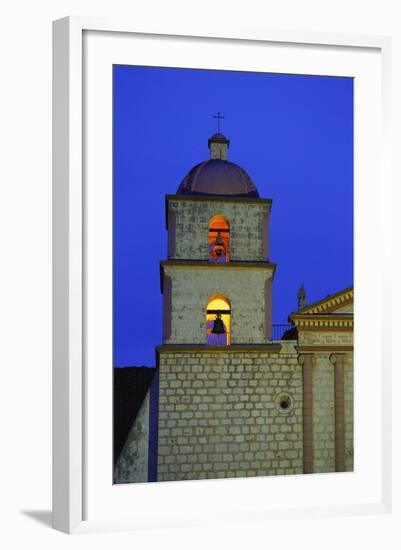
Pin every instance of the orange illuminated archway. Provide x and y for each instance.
(219, 239)
(218, 306)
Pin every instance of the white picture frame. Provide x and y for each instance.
(71, 426)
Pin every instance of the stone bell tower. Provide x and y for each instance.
(217, 246)
(219, 370)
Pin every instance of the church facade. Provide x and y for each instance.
(227, 400)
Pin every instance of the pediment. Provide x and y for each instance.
(333, 313)
(340, 302)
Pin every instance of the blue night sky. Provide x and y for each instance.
(294, 136)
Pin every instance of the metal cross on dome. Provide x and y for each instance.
(219, 116)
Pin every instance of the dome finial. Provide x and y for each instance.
(218, 144)
(219, 116)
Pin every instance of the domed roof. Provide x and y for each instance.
(218, 137)
(217, 177)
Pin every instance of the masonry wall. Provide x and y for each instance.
(244, 287)
(248, 228)
(324, 427)
(219, 414)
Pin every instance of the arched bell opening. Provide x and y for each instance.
(218, 321)
(219, 239)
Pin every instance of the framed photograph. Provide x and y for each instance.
(216, 202)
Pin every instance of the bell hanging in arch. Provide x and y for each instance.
(218, 325)
(218, 247)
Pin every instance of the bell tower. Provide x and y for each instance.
(217, 247)
(222, 379)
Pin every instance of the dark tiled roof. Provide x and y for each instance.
(219, 138)
(130, 386)
(218, 177)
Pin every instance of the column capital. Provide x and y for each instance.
(337, 359)
(306, 359)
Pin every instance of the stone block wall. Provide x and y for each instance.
(220, 414)
(248, 228)
(244, 287)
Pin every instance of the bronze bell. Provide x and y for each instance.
(218, 325)
(219, 248)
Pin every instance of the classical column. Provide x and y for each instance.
(338, 361)
(306, 360)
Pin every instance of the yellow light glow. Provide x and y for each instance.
(218, 303)
(222, 304)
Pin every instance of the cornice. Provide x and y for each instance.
(233, 348)
(218, 198)
(205, 264)
(323, 323)
(326, 349)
